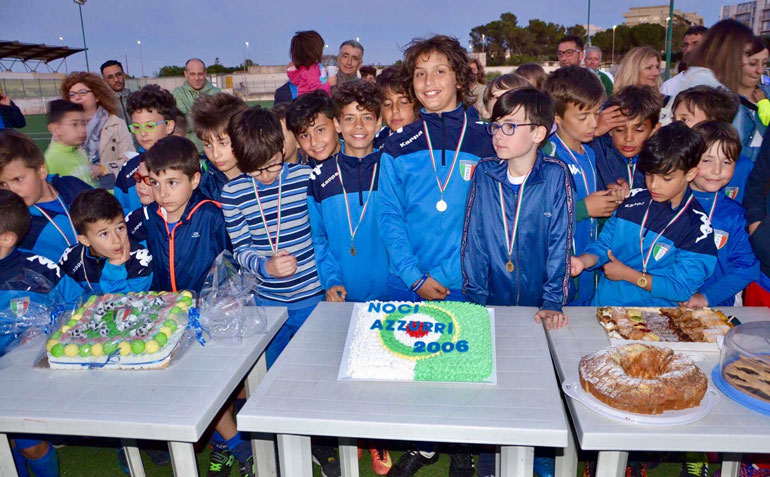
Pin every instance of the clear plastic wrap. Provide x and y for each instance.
(229, 306)
(147, 330)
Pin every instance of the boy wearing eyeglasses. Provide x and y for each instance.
(65, 155)
(152, 110)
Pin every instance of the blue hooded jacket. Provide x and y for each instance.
(212, 180)
(96, 275)
(543, 244)
(45, 238)
(125, 185)
(611, 165)
(183, 256)
(681, 260)
(364, 274)
(736, 264)
(420, 239)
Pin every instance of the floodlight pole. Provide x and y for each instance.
(669, 35)
(588, 25)
(83, 29)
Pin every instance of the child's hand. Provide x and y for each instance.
(576, 266)
(96, 171)
(753, 227)
(602, 203)
(696, 301)
(433, 290)
(552, 319)
(609, 119)
(615, 270)
(620, 189)
(336, 293)
(281, 265)
(124, 255)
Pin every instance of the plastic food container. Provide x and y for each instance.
(743, 372)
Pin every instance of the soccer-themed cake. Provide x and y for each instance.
(431, 341)
(121, 331)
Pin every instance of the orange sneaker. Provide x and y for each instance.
(381, 462)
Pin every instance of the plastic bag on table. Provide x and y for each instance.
(229, 306)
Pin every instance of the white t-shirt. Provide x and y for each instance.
(515, 180)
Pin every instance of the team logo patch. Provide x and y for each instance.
(19, 306)
(660, 251)
(720, 238)
(732, 192)
(466, 169)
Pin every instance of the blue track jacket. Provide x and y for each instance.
(96, 275)
(125, 185)
(542, 249)
(611, 165)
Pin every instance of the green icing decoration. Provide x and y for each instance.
(161, 338)
(137, 346)
(171, 323)
(175, 311)
(186, 300)
(56, 335)
(84, 350)
(109, 347)
(72, 323)
(92, 334)
(57, 350)
(91, 299)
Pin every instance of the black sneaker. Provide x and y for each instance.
(410, 462)
(221, 462)
(327, 459)
(247, 468)
(461, 465)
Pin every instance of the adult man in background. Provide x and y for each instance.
(690, 40)
(349, 59)
(593, 61)
(194, 86)
(570, 51)
(112, 72)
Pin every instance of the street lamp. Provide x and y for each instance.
(66, 69)
(588, 25)
(245, 66)
(141, 60)
(83, 29)
(483, 41)
(612, 63)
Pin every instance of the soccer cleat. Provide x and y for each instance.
(694, 469)
(636, 469)
(381, 462)
(588, 469)
(327, 459)
(220, 462)
(461, 465)
(247, 468)
(410, 462)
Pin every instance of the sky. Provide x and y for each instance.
(173, 30)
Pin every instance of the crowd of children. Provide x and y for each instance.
(563, 197)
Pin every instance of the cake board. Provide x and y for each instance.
(740, 397)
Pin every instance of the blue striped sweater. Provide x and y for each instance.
(252, 245)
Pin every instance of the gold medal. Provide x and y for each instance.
(509, 266)
(642, 282)
(353, 250)
(353, 231)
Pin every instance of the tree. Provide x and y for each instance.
(170, 70)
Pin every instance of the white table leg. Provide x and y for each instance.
(262, 445)
(611, 464)
(497, 460)
(255, 375)
(348, 457)
(731, 465)
(7, 467)
(133, 458)
(183, 459)
(294, 456)
(516, 460)
(566, 459)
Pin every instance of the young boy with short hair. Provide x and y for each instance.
(705, 103)
(350, 256)
(211, 114)
(311, 119)
(658, 248)
(28, 282)
(185, 231)
(290, 146)
(105, 260)
(65, 155)
(23, 171)
(736, 264)
(153, 114)
(578, 95)
(398, 107)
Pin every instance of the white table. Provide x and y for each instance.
(301, 396)
(730, 428)
(175, 404)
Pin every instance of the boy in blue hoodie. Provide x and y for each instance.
(426, 173)
(736, 264)
(28, 281)
(105, 260)
(398, 108)
(23, 171)
(578, 95)
(350, 256)
(311, 119)
(185, 231)
(658, 248)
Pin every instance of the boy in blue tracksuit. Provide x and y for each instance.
(30, 284)
(23, 171)
(578, 95)
(524, 259)
(398, 108)
(736, 264)
(705, 103)
(658, 248)
(350, 256)
(426, 172)
(105, 260)
(211, 114)
(185, 231)
(311, 119)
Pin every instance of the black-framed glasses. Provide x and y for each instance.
(507, 128)
(566, 53)
(138, 128)
(272, 168)
(140, 178)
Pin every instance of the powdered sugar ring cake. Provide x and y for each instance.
(643, 379)
(124, 331)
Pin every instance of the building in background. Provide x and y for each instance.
(659, 14)
(755, 15)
